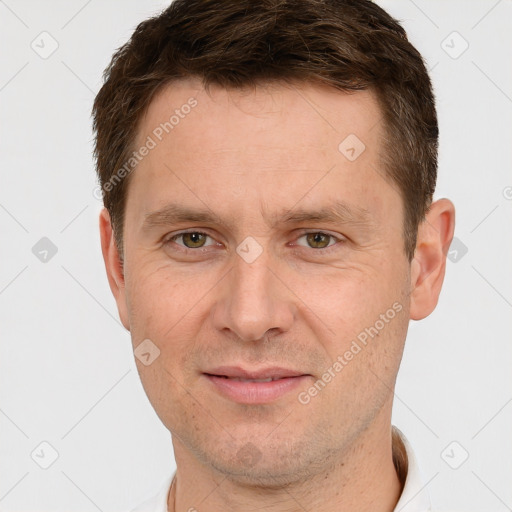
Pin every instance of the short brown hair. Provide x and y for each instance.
(348, 44)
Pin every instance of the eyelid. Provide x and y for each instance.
(337, 238)
(172, 237)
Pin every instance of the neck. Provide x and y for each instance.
(369, 478)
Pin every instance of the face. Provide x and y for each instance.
(255, 246)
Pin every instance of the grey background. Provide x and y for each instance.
(68, 377)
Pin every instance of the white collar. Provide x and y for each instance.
(157, 503)
(414, 497)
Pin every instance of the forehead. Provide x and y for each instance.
(234, 149)
(320, 114)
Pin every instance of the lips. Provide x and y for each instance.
(240, 379)
(254, 386)
(263, 375)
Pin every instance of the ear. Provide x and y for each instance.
(113, 266)
(428, 266)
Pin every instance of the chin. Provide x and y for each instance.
(267, 467)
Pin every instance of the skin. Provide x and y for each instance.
(247, 155)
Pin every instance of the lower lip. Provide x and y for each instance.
(256, 392)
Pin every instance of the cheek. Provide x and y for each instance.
(165, 311)
(351, 300)
(160, 303)
(367, 319)
(365, 355)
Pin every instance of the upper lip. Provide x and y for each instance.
(275, 372)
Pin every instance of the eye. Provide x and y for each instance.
(191, 239)
(197, 240)
(319, 240)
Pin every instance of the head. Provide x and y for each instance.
(296, 143)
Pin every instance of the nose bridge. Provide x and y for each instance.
(252, 283)
(253, 302)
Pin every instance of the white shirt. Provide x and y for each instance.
(414, 497)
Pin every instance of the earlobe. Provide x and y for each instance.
(428, 266)
(113, 266)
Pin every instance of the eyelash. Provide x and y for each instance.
(324, 250)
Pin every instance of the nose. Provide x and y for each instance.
(254, 300)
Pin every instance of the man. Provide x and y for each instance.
(269, 229)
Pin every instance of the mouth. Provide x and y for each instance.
(254, 386)
(240, 379)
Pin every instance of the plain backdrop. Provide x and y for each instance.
(68, 377)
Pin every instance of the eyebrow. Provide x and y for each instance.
(337, 213)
